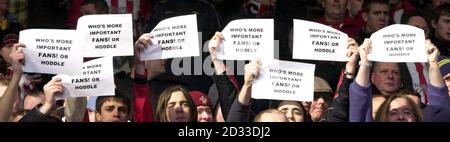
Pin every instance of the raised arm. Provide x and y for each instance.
(339, 108)
(240, 109)
(438, 94)
(213, 46)
(7, 101)
(360, 91)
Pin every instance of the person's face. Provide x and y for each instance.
(156, 66)
(377, 18)
(354, 6)
(442, 28)
(419, 22)
(293, 111)
(335, 8)
(113, 111)
(204, 114)
(178, 108)
(447, 81)
(386, 77)
(31, 101)
(401, 111)
(437, 3)
(318, 108)
(376, 103)
(88, 9)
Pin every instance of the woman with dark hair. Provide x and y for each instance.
(176, 105)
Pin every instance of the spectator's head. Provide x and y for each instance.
(335, 10)
(417, 19)
(33, 98)
(354, 6)
(441, 22)
(112, 108)
(90, 7)
(156, 66)
(322, 97)
(376, 14)
(444, 66)
(399, 108)
(271, 115)
(377, 100)
(294, 111)
(6, 45)
(436, 3)
(175, 105)
(386, 77)
(204, 106)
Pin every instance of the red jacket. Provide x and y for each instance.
(143, 111)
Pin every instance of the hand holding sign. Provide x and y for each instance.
(17, 57)
(213, 46)
(251, 71)
(353, 54)
(432, 52)
(141, 44)
(53, 88)
(364, 51)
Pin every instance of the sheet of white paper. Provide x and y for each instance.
(283, 80)
(315, 41)
(247, 39)
(52, 51)
(110, 34)
(97, 80)
(174, 38)
(398, 43)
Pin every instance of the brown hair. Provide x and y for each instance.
(164, 98)
(383, 110)
(442, 10)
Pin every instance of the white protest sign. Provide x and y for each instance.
(110, 34)
(97, 80)
(52, 51)
(398, 43)
(247, 39)
(282, 80)
(315, 41)
(174, 38)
